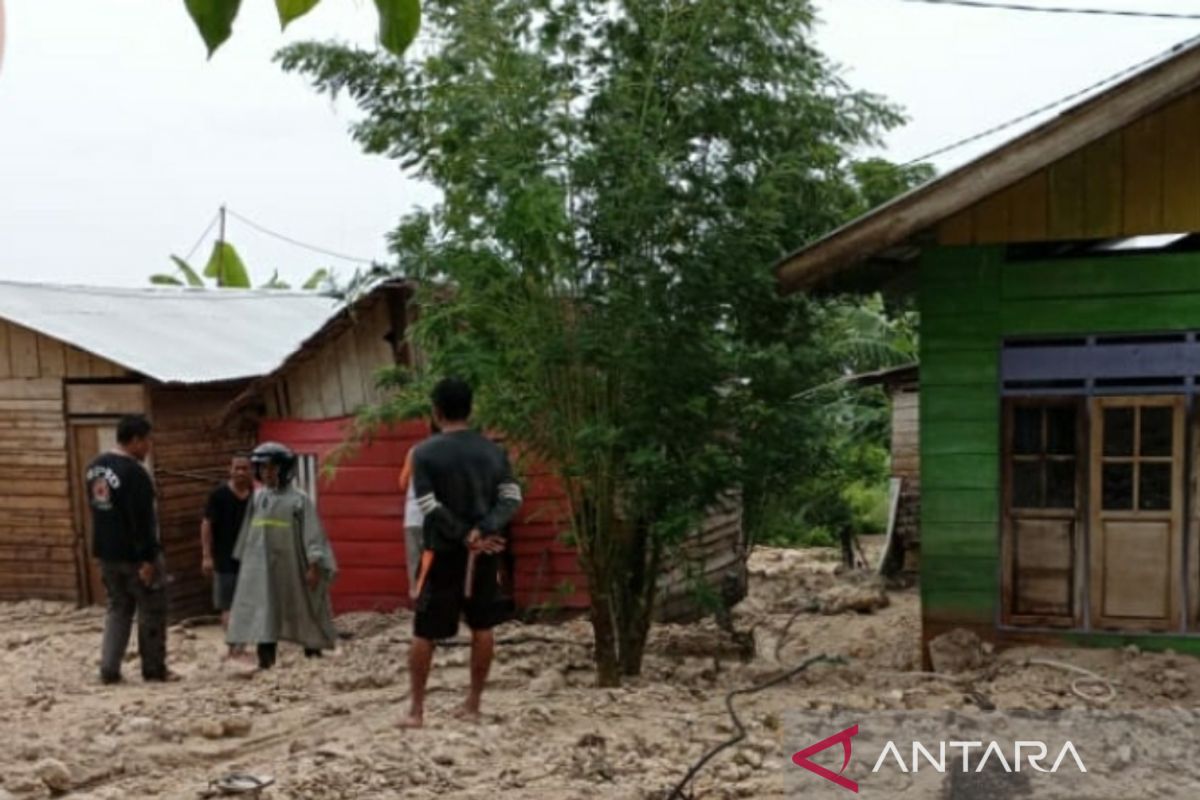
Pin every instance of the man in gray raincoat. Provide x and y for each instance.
(287, 565)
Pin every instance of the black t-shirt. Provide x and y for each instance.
(461, 481)
(124, 523)
(225, 511)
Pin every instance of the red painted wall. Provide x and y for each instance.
(363, 513)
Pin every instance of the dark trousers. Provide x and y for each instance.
(268, 651)
(127, 595)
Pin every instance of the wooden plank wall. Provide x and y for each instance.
(1142, 179)
(337, 376)
(906, 461)
(363, 513)
(37, 535)
(711, 560)
(191, 456)
(26, 354)
(906, 464)
(960, 437)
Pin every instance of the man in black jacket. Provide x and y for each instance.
(466, 491)
(125, 530)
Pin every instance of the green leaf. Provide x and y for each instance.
(315, 280)
(399, 21)
(226, 268)
(214, 19)
(293, 9)
(165, 280)
(190, 275)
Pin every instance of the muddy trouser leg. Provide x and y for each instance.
(152, 625)
(118, 621)
(266, 654)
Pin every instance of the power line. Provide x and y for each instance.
(296, 242)
(211, 224)
(1116, 76)
(1099, 12)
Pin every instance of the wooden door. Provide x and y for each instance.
(1192, 530)
(1136, 536)
(88, 439)
(1044, 466)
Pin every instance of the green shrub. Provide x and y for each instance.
(868, 504)
(790, 529)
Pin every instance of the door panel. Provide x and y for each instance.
(87, 441)
(1043, 507)
(1136, 534)
(1137, 557)
(1192, 532)
(1044, 564)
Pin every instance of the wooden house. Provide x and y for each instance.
(309, 403)
(1058, 280)
(73, 360)
(901, 386)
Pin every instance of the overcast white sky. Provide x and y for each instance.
(118, 140)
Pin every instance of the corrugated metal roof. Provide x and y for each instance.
(173, 335)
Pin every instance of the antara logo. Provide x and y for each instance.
(801, 759)
(1034, 752)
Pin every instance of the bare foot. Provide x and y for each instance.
(467, 714)
(411, 722)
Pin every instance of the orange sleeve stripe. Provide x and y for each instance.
(406, 471)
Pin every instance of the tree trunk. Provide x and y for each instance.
(847, 538)
(633, 644)
(644, 560)
(605, 608)
(608, 662)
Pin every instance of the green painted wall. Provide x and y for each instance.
(960, 411)
(970, 299)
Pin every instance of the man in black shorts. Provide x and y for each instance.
(466, 490)
(219, 530)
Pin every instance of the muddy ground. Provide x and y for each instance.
(326, 729)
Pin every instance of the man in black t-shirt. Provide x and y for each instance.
(125, 530)
(222, 523)
(465, 488)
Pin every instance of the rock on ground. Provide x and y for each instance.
(55, 775)
(863, 597)
(956, 651)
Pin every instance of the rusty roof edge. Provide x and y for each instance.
(346, 311)
(924, 206)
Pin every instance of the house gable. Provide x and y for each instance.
(1141, 179)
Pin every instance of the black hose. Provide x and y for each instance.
(677, 792)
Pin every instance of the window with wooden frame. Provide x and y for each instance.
(1043, 468)
(308, 474)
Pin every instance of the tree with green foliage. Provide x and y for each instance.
(617, 179)
(847, 431)
(879, 180)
